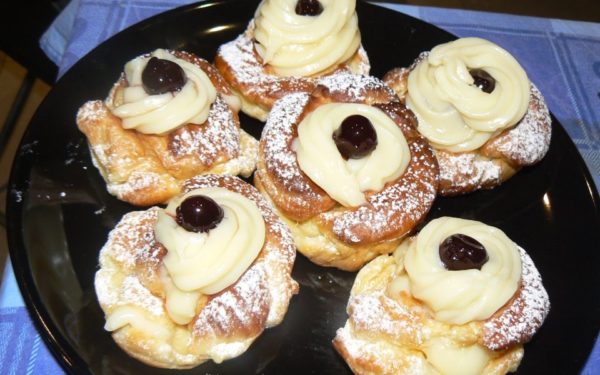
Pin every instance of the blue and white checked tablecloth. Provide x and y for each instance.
(561, 57)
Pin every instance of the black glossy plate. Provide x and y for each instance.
(59, 215)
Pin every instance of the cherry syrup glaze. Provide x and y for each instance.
(355, 138)
(161, 76)
(198, 213)
(308, 8)
(460, 252)
(483, 80)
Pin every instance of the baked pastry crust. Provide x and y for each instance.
(146, 169)
(500, 157)
(226, 323)
(256, 83)
(386, 334)
(326, 232)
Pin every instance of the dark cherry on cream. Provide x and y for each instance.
(309, 8)
(460, 252)
(355, 138)
(483, 80)
(198, 213)
(161, 76)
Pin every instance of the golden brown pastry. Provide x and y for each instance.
(477, 107)
(287, 45)
(198, 280)
(345, 209)
(169, 117)
(458, 298)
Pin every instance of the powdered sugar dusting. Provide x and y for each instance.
(356, 87)
(245, 163)
(241, 309)
(134, 292)
(467, 171)
(132, 240)
(277, 137)
(529, 140)
(382, 335)
(368, 312)
(219, 136)
(136, 181)
(364, 65)
(521, 319)
(276, 140)
(91, 111)
(379, 357)
(399, 205)
(249, 72)
(129, 243)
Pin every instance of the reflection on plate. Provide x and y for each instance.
(59, 215)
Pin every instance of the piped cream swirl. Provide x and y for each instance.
(206, 263)
(459, 297)
(453, 113)
(158, 114)
(295, 45)
(347, 180)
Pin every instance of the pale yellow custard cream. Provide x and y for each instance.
(453, 113)
(452, 359)
(459, 297)
(300, 45)
(347, 180)
(206, 263)
(158, 114)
